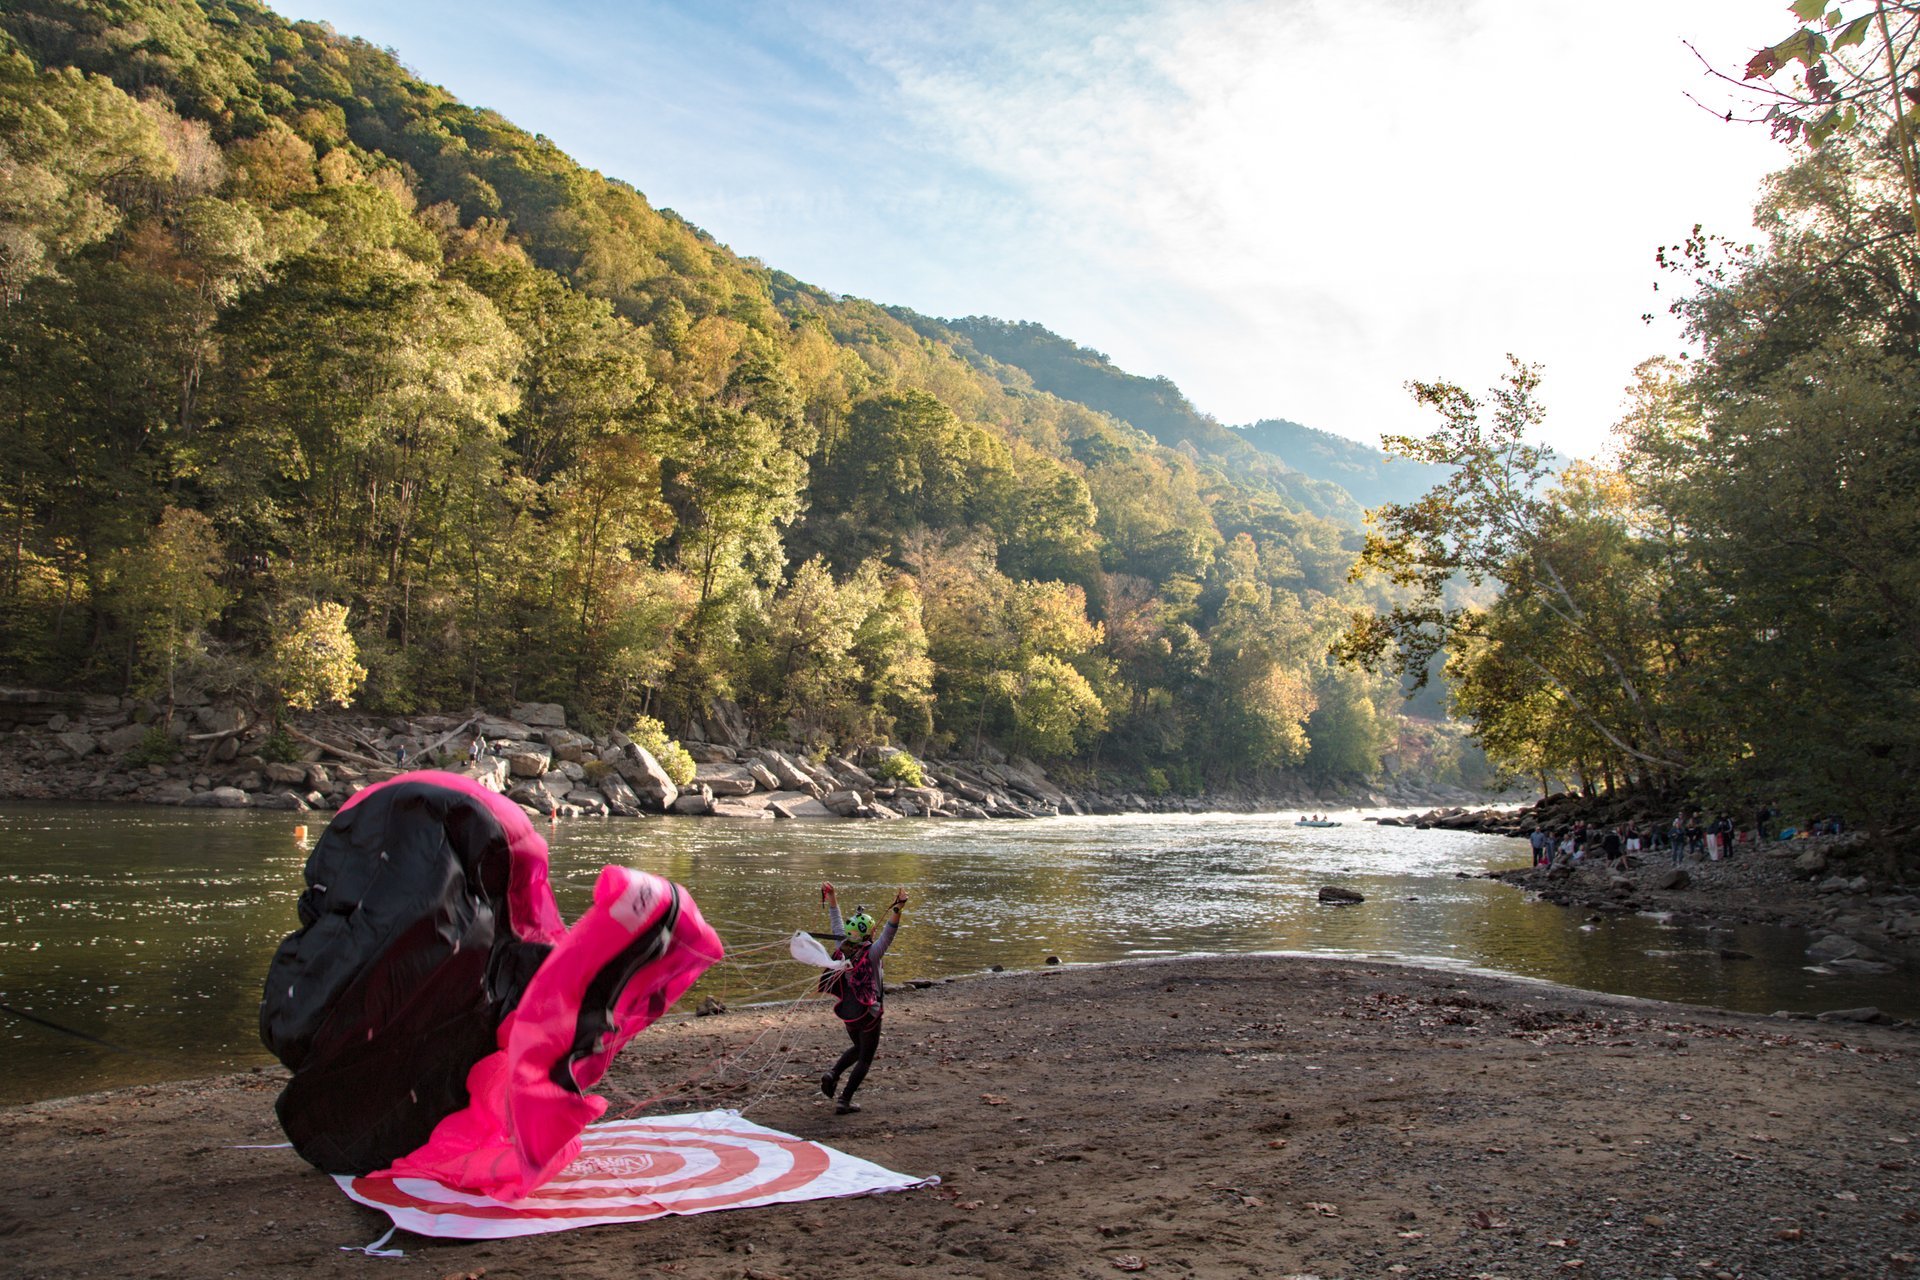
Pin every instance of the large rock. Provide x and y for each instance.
(172, 791)
(725, 808)
(528, 760)
(1836, 946)
(1671, 878)
(125, 738)
(647, 778)
(789, 773)
(1339, 895)
(697, 801)
(725, 724)
(568, 745)
(1811, 863)
(535, 796)
(851, 774)
(290, 774)
(497, 727)
(220, 719)
(220, 798)
(541, 715)
(805, 807)
(622, 801)
(724, 779)
(762, 776)
(847, 804)
(76, 744)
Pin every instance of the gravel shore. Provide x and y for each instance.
(1251, 1116)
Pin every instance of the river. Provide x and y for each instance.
(143, 934)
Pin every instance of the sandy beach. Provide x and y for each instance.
(1252, 1116)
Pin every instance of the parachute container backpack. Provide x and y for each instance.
(404, 1003)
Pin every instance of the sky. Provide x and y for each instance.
(1289, 209)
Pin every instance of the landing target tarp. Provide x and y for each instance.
(635, 1170)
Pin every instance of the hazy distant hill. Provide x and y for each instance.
(1371, 476)
(1154, 405)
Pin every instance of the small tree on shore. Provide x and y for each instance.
(317, 661)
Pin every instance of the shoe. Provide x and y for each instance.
(827, 1083)
(842, 1108)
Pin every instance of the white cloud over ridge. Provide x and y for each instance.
(1289, 209)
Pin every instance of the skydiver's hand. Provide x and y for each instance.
(827, 893)
(899, 899)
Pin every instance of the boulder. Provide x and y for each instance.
(878, 810)
(725, 724)
(622, 800)
(1867, 1014)
(250, 780)
(788, 772)
(1810, 864)
(220, 798)
(851, 774)
(535, 796)
(315, 775)
(541, 715)
(695, 800)
(1835, 946)
(220, 719)
(1340, 896)
(568, 745)
(76, 744)
(726, 808)
(847, 804)
(172, 791)
(710, 753)
(762, 776)
(498, 727)
(1672, 878)
(1859, 964)
(805, 807)
(724, 779)
(588, 801)
(647, 778)
(125, 738)
(528, 760)
(287, 773)
(281, 800)
(227, 750)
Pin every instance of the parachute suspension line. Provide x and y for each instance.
(775, 1024)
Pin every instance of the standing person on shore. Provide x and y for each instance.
(860, 989)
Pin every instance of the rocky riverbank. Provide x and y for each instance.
(1858, 916)
(109, 750)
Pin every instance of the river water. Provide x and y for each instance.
(149, 929)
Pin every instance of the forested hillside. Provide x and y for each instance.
(1155, 405)
(302, 357)
(1369, 474)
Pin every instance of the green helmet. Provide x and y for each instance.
(860, 922)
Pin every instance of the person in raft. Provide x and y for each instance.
(860, 990)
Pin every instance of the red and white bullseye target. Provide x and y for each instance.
(633, 1170)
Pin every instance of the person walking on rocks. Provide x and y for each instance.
(859, 990)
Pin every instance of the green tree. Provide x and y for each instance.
(316, 661)
(169, 592)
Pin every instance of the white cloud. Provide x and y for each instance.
(1289, 208)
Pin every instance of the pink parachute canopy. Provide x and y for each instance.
(439, 1017)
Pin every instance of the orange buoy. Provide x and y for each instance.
(300, 834)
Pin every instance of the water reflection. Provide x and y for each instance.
(151, 928)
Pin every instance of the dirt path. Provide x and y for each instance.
(1231, 1117)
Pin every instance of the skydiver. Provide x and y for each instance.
(860, 988)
